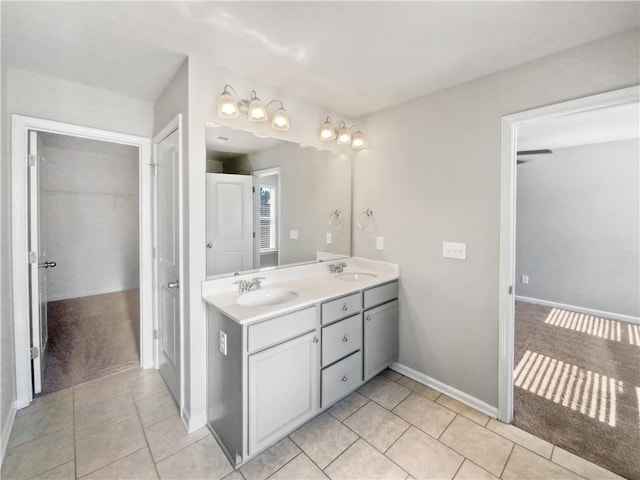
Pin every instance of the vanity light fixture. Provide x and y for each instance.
(230, 106)
(342, 135)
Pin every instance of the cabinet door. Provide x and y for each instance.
(283, 389)
(380, 338)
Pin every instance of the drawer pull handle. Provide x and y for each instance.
(315, 340)
(344, 307)
(345, 339)
(344, 378)
(368, 318)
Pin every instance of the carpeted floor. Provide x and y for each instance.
(577, 384)
(90, 337)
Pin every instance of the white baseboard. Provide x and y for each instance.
(574, 308)
(194, 422)
(88, 293)
(6, 432)
(454, 393)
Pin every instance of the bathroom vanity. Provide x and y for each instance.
(281, 354)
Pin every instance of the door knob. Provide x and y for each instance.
(47, 265)
(209, 245)
(175, 284)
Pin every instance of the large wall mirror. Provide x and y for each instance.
(272, 203)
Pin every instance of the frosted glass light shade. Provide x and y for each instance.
(257, 111)
(280, 120)
(344, 135)
(227, 106)
(327, 131)
(358, 141)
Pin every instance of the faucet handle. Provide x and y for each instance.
(342, 265)
(258, 279)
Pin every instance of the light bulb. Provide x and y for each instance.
(227, 106)
(257, 110)
(280, 120)
(358, 140)
(327, 132)
(344, 136)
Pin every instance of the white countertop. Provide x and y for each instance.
(313, 283)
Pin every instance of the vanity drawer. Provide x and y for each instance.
(341, 307)
(381, 294)
(341, 379)
(341, 339)
(277, 330)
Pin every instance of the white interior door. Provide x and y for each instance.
(38, 263)
(167, 260)
(229, 223)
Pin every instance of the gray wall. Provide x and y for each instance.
(432, 173)
(578, 220)
(92, 216)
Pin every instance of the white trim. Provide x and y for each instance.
(510, 124)
(194, 423)
(575, 308)
(6, 432)
(20, 125)
(173, 125)
(89, 293)
(448, 390)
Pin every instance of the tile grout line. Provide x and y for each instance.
(285, 464)
(144, 431)
(513, 447)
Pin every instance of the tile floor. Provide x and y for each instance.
(127, 426)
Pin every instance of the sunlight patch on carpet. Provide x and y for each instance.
(582, 390)
(596, 326)
(634, 334)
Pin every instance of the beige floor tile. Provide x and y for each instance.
(384, 391)
(323, 439)
(104, 414)
(465, 410)
(362, 461)
(156, 407)
(347, 406)
(470, 471)
(581, 466)
(524, 464)
(391, 375)
(45, 415)
(300, 467)
(377, 425)
(101, 389)
(418, 387)
(108, 445)
(137, 466)
(423, 456)
(65, 471)
(170, 435)
(39, 455)
(234, 475)
(147, 385)
(522, 438)
(483, 447)
(425, 414)
(201, 461)
(270, 460)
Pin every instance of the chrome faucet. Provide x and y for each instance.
(337, 267)
(248, 285)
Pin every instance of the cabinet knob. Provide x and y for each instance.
(344, 307)
(368, 318)
(344, 378)
(345, 339)
(315, 340)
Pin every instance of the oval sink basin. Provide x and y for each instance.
(355, 276)
(265, 297)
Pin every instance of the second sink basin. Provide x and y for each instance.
(266, 297)
(354, 276)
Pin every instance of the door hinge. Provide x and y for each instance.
(31, 160)
(33, 257)
(155, 334)
(510, 289)
(35, 352)
(254, 234)
(155, 169)
(253, 189)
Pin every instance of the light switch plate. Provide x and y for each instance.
(380, 243)
(223, 342)
(454, 250)
(329, 239)
(293, 234)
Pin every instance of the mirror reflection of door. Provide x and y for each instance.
(267, 218)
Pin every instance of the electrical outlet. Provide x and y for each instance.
(379, 243)
(524, 279)
(223, 342)
(329, 239)
(454, 250)
(293, 234)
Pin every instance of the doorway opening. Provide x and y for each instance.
(89, 203)
(568, 352)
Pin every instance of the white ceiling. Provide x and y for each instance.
(353, 57)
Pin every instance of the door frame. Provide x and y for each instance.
(506, 308)
(173, 125)
(257, 175)
(20, 126)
